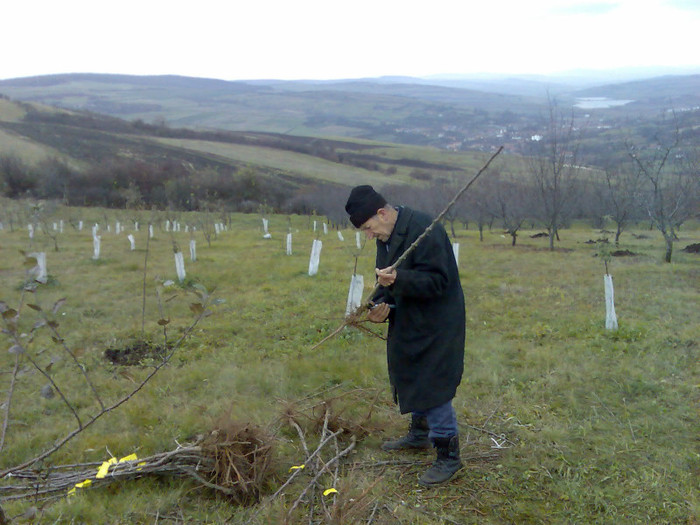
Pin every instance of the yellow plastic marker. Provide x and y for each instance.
(130, 457)
(329, 491)
(80, 485)
(102, 471)
(296, 467)
(104, 468)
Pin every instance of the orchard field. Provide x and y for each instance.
(561, 420)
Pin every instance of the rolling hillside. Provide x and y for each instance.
(376, 131)
(35, 133)
(367, 110)
(450, 114)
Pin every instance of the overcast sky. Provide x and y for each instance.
(325, 39)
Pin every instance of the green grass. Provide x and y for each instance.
(21, 147)
(293, 163)
(601, 426)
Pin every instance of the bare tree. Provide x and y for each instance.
(619, 196)
(478, 205)
(41, 214)
(510, 204)
(434, 198)
(670, 191)
(553, 165)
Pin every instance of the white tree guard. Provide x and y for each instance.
(117, 228)
(315, 258)
(610, 317)
(180, 266)
(30, 229)
(95, 229)
(265, 223)
(80, 226)
(136, 226)
(167, 225)
(358, 241)
(55, 226)
(325, 229)
(150, 231)
(193, 250)
(455, 250)
(289, 244)
(39, 271)
(314, 225)
(60, 226)
(340, 237)
(217, 229)
(132, 242)
(357, 286)
(96, 244)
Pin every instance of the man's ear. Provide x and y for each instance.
(381, 213)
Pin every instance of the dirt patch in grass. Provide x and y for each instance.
(692, 248)
(135, 353)
(623, 253)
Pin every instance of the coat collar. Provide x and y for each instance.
(398, 236)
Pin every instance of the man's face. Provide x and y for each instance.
(378, 227)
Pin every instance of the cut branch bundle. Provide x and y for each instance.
(235, 462)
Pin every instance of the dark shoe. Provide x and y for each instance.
(416, 439)
(446, 464)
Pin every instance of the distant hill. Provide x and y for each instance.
(363, 109)
(660, 93)
(447, 113)
(384, 130)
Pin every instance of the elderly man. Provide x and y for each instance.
(422, 300)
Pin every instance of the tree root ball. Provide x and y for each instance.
(242, 459)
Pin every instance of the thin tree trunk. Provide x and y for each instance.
(669, 247)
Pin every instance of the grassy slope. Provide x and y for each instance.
(76, 143)
(603, 425)
(300, 165)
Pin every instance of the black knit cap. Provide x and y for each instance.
(363, 204)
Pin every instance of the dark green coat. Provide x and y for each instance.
(425, 344)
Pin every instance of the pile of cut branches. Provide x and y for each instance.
(234, 460)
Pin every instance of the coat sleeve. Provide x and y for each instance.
(426, 275)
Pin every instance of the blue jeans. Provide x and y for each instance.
(442, 420)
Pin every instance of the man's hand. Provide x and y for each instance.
(385, 276)
(378, 313)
